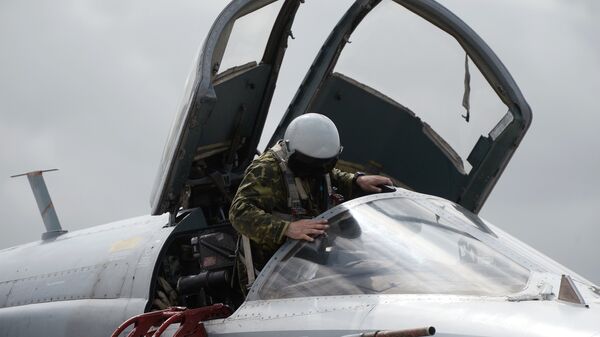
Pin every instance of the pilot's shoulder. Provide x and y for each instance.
(266, 166)
(267, 159)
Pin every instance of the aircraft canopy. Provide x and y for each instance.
(394, 115)
(395, 245)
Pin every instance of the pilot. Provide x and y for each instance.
(291, 183)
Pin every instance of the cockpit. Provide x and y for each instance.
(388, 90)
(394, 244)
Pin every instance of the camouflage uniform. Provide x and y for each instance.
(260, 208)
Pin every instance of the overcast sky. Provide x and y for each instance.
(91, 88)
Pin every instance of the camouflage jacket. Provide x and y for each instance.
(262, 199)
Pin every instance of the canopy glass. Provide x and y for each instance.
(395, 246)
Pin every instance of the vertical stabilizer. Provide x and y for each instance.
(44, 202)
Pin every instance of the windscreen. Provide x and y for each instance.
(394, 246)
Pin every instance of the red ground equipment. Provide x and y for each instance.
(154, 324)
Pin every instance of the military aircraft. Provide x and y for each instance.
(413, 261)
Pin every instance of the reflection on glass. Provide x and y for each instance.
(249, 37)
(463, 214)
(422, 68)
(393, 246)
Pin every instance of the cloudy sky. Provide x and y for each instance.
(91, 88)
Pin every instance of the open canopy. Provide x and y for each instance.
(221, 118)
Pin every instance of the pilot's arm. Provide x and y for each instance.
(349, 184)
(344, 182)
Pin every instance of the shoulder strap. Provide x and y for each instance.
(294, 197)
(300, 188)
(329, 204)
(328, 183)
(248, 260)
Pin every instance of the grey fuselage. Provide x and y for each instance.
(83, 281)
(88, 282)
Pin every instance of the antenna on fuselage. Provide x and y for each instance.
(44, 202)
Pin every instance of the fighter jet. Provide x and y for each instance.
(416, 260)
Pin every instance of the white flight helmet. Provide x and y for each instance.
(313, 135)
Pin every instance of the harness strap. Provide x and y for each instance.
(248, 260)
(294, 197)
(328, 183)
(296, 191)
(301, 190)
(329, 201)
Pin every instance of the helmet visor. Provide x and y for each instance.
(304, 166)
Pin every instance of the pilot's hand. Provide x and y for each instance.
(305, 229)
(369, 183)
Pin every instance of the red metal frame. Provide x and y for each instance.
(189, 320)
